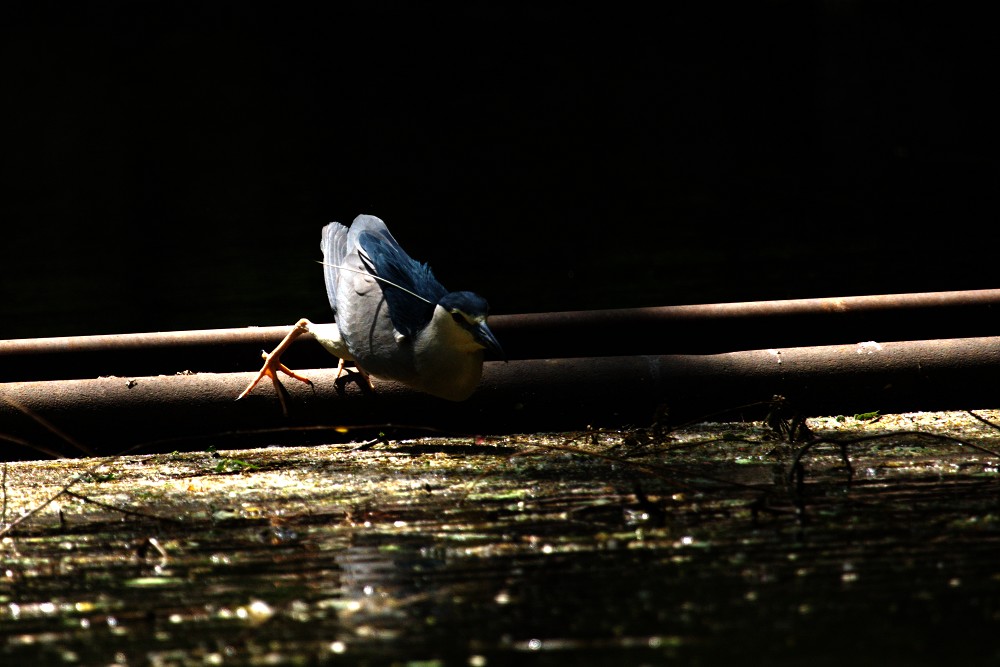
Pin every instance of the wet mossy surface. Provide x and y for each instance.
(870, 538)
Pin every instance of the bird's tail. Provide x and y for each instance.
(334, 247)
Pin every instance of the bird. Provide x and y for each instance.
(392, 318)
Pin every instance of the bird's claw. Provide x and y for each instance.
(272, 366)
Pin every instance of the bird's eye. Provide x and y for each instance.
(458, 317)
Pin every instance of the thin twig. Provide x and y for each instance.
(98, 503)
(6, 529)
(51, 427)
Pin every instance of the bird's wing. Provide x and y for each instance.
(387, 260)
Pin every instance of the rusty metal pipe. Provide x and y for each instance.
(179, 412)
(689, 329)
(725, 327)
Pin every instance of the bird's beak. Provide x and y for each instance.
(486, 338)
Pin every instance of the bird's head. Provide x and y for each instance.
(469, 311)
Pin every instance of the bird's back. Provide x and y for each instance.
(358, 300)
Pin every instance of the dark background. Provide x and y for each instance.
(169, 165)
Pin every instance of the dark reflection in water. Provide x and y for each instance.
(409, 557)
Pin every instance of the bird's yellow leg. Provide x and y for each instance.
(368, 378)
(272, 363)
(364, 374)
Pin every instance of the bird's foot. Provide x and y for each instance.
(341, 369)
(272, 366)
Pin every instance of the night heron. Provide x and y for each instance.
(393, 319)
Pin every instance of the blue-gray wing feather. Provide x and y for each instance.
(386, 259)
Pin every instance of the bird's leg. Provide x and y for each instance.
(368, 378)
(272, 364)
(364, 374)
